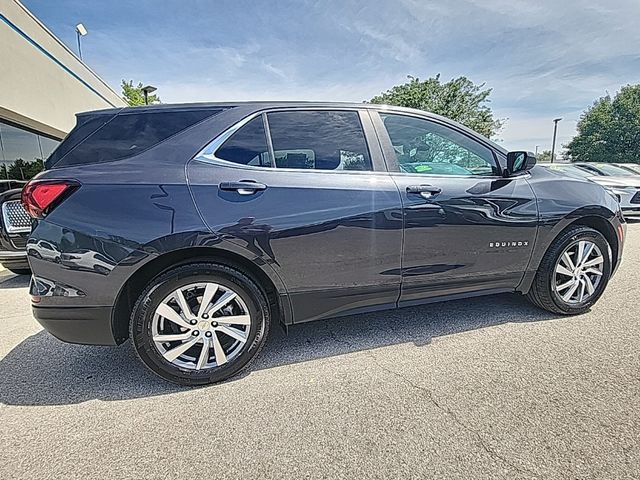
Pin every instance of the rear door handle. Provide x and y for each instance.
(425, 191)
(244, 187)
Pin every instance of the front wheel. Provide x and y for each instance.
(199, 323)
(573, 273)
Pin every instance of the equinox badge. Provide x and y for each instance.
(508, 244)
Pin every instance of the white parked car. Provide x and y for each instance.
(43, 249)
(87, 260)
(630, 167)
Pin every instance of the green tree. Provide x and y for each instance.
(458, 99)
(609, 130)
(545, 156)
(133, 94)
(21, 169)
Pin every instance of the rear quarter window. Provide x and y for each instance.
(127, 134)
(85, 126)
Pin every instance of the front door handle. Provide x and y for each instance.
(425, 191)
(244, 187)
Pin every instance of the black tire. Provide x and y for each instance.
(542, 293)
(163, 285)
(20, 271)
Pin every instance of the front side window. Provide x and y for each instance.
(320, 140)
(425, 147)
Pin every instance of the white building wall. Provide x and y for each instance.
(42, 83)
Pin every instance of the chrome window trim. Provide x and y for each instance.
(217, 142)
(267, 132)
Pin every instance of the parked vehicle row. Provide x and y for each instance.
(620, 179)
(200, 225)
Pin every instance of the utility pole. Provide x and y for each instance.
(555, 132)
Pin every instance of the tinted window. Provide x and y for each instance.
(248, 146)
(321, 140)
(85, 126)
(129, 134)
(427, 148)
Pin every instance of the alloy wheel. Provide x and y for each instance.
(201, 326)
(578, 272)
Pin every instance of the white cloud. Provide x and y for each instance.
(543, 59)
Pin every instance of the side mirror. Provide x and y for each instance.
(519, 163)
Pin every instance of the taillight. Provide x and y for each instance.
(40, 196)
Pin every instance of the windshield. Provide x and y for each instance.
(609, 169)
(571, 170)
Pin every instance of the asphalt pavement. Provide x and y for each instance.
(484, 388)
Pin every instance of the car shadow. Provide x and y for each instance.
(45, 371)
(10, 280)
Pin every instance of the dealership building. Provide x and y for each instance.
(43, 84)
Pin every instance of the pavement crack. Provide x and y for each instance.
(443, 408)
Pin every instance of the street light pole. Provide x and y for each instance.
(146, 91)
(80, 32)
(555, 131)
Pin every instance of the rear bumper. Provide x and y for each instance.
(14, 259)
(84, 325)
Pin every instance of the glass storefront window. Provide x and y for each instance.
(22, 152)
(47, 145)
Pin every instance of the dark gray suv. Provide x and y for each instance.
(191, 228)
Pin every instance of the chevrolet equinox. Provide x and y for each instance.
(190, 229)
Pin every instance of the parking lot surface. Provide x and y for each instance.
(483, 388)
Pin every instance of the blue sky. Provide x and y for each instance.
(543, 59)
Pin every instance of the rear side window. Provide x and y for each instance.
(128, 134)
(320, 140)
(248, 146)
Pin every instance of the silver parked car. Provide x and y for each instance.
(630, 167)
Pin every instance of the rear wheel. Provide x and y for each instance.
(573, 273)
(200, 323)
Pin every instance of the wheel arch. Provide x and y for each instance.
(270, 283)
(605, 228)
(596, 221)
